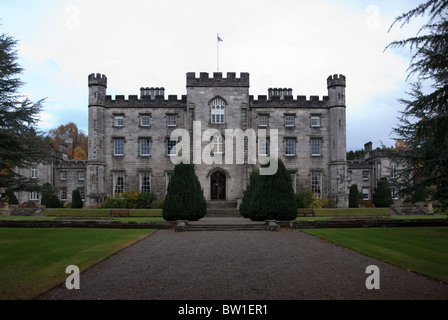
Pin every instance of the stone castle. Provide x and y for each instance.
(131, 145)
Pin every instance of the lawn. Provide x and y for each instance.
(34, 260)
(422, 249)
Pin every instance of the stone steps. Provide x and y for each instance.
(228, 227)
(222, 209)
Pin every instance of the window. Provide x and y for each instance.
(263, 120)
(82, 194)
(168, 176)
(145, 181)
(144, 121)
(365, 175)
(393, 170)
(290, 147)
(144, 147)
(217, 145)
(118, 121)
(81, 175)
(365, 193)
(171, 147)
(315, 121)
(263, 147)
(171, 120)
(63, 193)
(118, 182)
(349, 175)
(34, 195)
(289, 121)
(293, 181)
(316, 183)
(316, 147)
(62, 175)
(34, 172)
(217, 111)
(118, 147)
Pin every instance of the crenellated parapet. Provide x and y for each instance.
(231, 80)
(97, 79)
(336, 80)
(301, 101)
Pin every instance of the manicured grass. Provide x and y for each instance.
(34, 260)
(338, 212)
(422, 249)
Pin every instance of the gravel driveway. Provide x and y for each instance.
(249, 265)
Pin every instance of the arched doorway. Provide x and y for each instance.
(218, 186)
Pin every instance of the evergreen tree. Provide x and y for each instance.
(353, 197)
(184, 199)
(248, 194)
(21, 144)
(273, 198)
(424, 122)
(382, 198)
(12, 199)
(76, 199)
(49, 197)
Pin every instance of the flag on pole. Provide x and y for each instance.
(219, 39)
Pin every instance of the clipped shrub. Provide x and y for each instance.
(157, 204)
(382, 198)
(304, 198)
(248, 194)
(12, 199)
(184, 199)
(114, 202)
(49, 197)
(273, 198)
(76, 199)
(353, 197)
(145, 200)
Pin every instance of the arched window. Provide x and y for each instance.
(217, 110)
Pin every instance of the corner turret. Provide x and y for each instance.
(336, 90)
(97, 89)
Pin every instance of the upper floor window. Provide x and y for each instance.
(315, 121)
(217, 144)
(289, 121)
(62, 175)
(316, 147)
(263, 120)
(171, 147)
(290, 145)
(34, 172)
(118, 147)
(365, 175)
(171, 120)
(118, 120)
(218, 111)
(144, 121)
(145, 147)
(81, 175)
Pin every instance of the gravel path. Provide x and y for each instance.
(251, 265)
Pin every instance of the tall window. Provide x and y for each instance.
(82, 194)
(293, 181)
(145, 181)
(171, 120)
(171, 147)
(118, 147)
(217, 144)
(144, 147)
(34, 172)
(290, 147)
(393, 170)
(217, 111)
(118, 182)
(365, 193)
(63, 193)
(263, 147)
(316, 183)
(316, 147)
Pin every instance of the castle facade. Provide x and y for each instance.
(221, 128)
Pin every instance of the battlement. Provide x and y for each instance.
(289, 101)
(279, 93)
(336, 80)
(97, 79)
(217, 80)
(152, 93)
(135, 99)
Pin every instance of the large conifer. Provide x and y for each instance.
(248, 194)
(185, 198)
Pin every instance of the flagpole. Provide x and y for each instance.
(217, 51)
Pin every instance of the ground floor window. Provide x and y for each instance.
(82, 193)
(118, 183)
(145, 181)
(316, 183)
(63, 194)
(34, 195)
(365, 193)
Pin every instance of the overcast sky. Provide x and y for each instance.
(281, 43)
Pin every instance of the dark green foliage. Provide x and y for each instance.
(145, 200)
(352, 155)
(12, 199)
(114, 203)
(49, 197)
(21, 144)
(76, 199)
(382, 198)
(273, 198)
(353, 197)
(248, 194)
(304, 198)
(423, 127)
(185, 198)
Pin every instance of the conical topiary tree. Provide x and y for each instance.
(382, 198)
(273, 198)
(248, 194)
(76, 199)
(184, 199)
(49, 197)
(353, 197)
